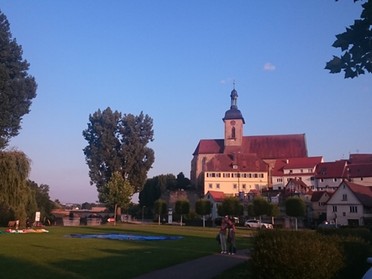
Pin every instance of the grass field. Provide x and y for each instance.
(57, 255)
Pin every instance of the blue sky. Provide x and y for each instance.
(176, 61)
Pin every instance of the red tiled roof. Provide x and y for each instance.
(295, 163)
(360, 170)
(360, 158)
(242, 163)
(307, 162)
(297, 182)
(217, 196)
(317, 195)
(265, 147)
(209, 147)
(331, 170)
(363, 193)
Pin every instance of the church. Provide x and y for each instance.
(239, 164)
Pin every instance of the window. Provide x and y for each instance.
(353, 209)
(233, 133)
(344, 197)
(235, 186)
(210, 186)
(218, 186)
(334, 208)
(244, 186)
(335, 179)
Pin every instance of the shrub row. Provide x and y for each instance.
(308, 255)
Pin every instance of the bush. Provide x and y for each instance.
(356, 252)
(296, 254)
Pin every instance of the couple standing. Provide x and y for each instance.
(227, 236)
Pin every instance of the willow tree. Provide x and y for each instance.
(118, 143)
(15, 195)
(17, 87)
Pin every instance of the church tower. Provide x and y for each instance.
(234, 122)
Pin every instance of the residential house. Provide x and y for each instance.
(319, 201)
(329, 175)
(350, 204)
(294, 168)
(216, 198)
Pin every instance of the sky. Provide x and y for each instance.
(177, 61)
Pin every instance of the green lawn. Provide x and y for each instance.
(56, 255)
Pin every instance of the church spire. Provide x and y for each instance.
(233, 112)
(234, 122)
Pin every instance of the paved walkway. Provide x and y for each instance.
(203, 268)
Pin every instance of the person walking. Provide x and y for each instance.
(223, 234)
(231, 237)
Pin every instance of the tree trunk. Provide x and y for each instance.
(116, 206)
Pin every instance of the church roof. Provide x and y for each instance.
(264, 147)
(236, 162)
(233, 113)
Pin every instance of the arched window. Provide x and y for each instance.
(233, 133)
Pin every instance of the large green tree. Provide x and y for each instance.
(356, 45)
(17, 87)
(118, 142)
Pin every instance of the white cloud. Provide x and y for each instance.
(269, 67)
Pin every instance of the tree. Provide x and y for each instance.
(295, 207)
(160, 208)
(119, 193)
(260, 207)
(182, 207)
(203, 207)
(154, 187)
(15, 195)
(182, 181)
(118, 143)
(230, 206)
(356, 43)
(43, 203)
(17, 87)
(273, 211)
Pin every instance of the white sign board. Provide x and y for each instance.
(37, 216)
